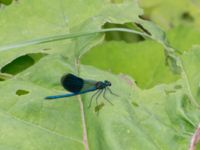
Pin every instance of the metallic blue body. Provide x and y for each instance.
(71, 94)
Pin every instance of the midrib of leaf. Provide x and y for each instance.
(67, 36)
(3, 113)
(85, 138)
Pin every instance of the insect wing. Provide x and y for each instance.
(72, 83)
(89, 85)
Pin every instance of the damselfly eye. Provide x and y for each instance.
(108, 83)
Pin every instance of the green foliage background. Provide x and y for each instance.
(155, 72)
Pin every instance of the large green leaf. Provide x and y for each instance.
(129, 59)
(163, 117)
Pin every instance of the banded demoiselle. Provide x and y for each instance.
(77, 86)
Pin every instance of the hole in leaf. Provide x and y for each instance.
(21, 92)
(21, 63)
(187, 17)
(18, 65)
(122, 36)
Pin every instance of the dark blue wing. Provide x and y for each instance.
(72, 83)
(75, 85)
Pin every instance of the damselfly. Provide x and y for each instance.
(77, 86)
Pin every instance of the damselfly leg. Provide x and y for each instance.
(111, 92)
(104, 96)
(98, 96)
(92, 98)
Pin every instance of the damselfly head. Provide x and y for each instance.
(107, 83)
